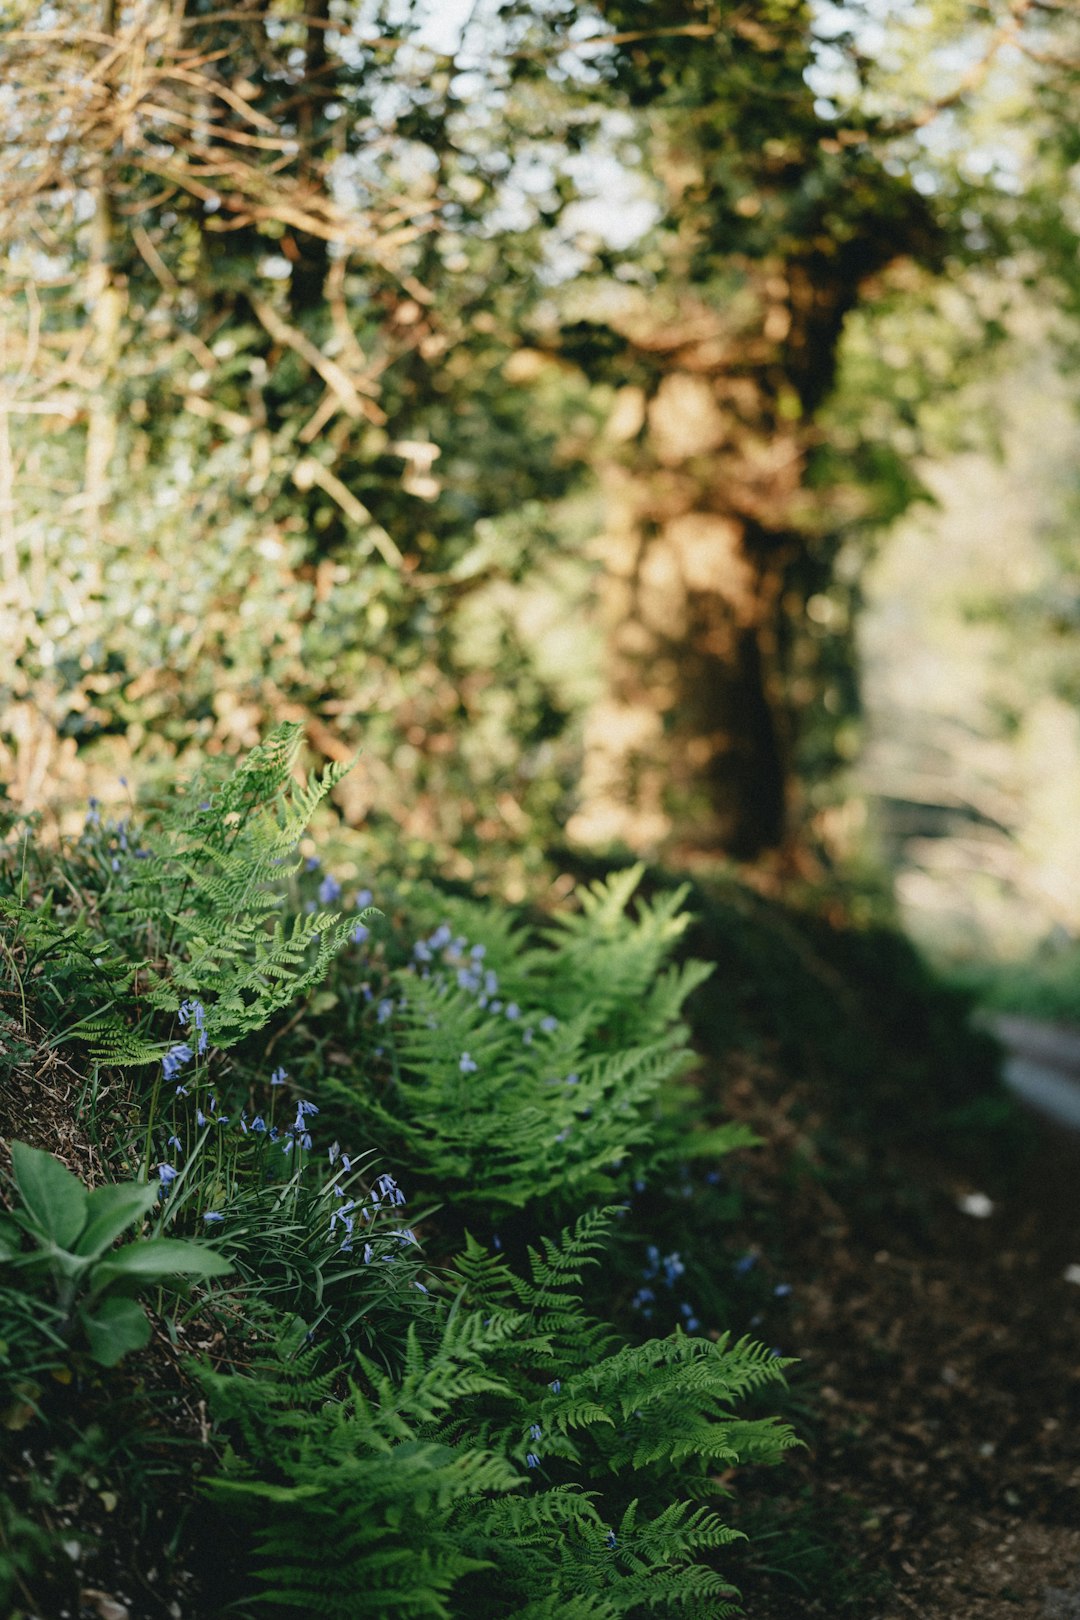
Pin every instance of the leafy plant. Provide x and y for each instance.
(73, 1232)
(518, 1067)
(519, 1461)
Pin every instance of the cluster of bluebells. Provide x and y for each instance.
(449, 959)
(665, 1269)
(329, 891)
(118, 842)
(385, 1197)
(208, 1117)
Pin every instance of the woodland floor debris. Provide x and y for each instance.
(941, 1358)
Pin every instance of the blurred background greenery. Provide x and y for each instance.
(635, 426)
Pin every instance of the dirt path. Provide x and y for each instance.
(943, 1336)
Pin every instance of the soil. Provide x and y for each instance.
(940, 1358)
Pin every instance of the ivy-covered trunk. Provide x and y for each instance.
(717, 529)
(693, 741)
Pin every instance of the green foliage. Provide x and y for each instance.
(73, 1232)
(515, 1067)
(183, 904)
(404, 1421)
(421, 1470)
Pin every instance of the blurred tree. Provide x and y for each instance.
(378, 311)
(723, 347)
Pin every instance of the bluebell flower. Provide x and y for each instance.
(562, 1136)
(312, 863)
(363, 899)
(223, 1119)
(182, 1091)
(258, 1123)
(287, 1146)
(440, 939)
(421, 951)
(346, 1163)
(359, 934)
(279, 1077)
(305, 1141)
(467, 980)
(513, 1010)
(175, 1058)
(93, 815)
(775, 1354)
(673, 1267)
(384, 1010)
(333, 1152)
(212, 1218)
(555, 1386)
(166, 1174)
(491, 981)
(273, 1134)
(200, 1118)
(389, 1189)
(175, 1142)
(419, 1285)
(572, 1079)
(692, 1324)
(496, 1006)
(549, 1025)
(194, 1012)
(531, 1460)
(639, 1185)
(535, 1431)
(745, 1263)
(467, 1065)
(369, 1253)
(611, 1540)
(329, 890)
(782, 1290)
(496, 1241)
(478, 953)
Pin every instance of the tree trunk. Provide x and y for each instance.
(692, 745)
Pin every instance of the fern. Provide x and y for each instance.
(555, 1105)
(184, 905)
(419, 1491)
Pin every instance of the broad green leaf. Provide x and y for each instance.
(113, 1328)
(157, 1258)
(54, 1199)
(110, 1211)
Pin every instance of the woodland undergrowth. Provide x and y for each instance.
(326, 1225)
